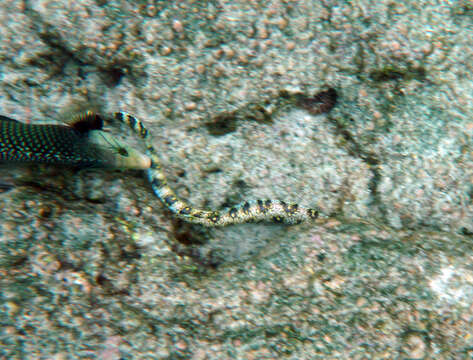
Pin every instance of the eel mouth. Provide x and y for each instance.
(142, 161)
(134, 160)
(115, 154)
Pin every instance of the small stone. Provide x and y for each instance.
(243, 59)
(166, 50)
(200, 69)
(415, 346)
(290, 45)
(282, 23)
(151, 10)
(190, 106)
(229, 53)
(218, 53)
(177, 26)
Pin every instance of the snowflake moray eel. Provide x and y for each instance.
(84, 143)
(248, 211)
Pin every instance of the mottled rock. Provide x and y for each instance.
(93, 265)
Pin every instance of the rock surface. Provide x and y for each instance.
(93, 265)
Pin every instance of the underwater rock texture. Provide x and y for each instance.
(91, 262)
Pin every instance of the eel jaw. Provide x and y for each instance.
(135, 160)
(114, 153)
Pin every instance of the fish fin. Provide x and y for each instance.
(87, 121)
(5, 186)
(5, 118)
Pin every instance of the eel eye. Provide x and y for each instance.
(122, 151)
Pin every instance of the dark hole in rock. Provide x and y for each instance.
(222, 125)
(114, 76)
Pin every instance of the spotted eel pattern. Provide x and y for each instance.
(248, 211)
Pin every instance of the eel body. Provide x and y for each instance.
(249, 211)
(82, 144)
(85, 144)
